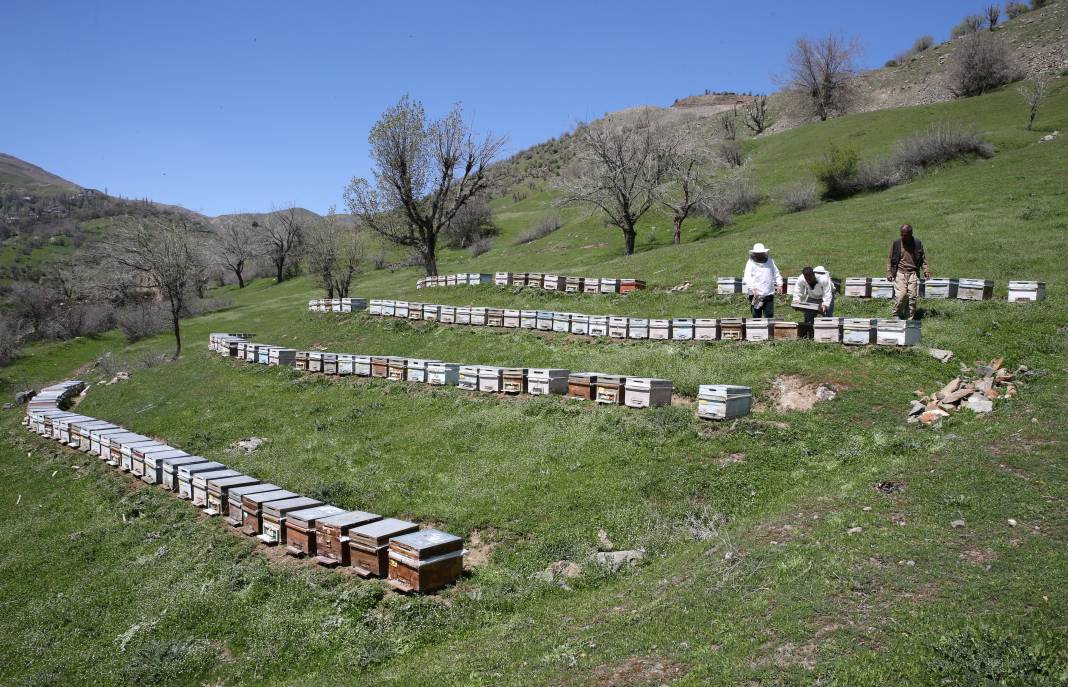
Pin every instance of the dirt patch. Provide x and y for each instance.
(979, 556)
(792, 392)
(638, 671)
(730, 459)
(480, 544)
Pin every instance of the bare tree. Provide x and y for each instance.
(688, 187)
(980, 62)
(755, 116)
(993, 15)
(283, 238)
(619, 169)
(1034, 92)
(336, 253)
(728, 127)
(236, 247)
(424, 174)
(822, 71)
(162, 255)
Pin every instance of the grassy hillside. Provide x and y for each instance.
(751, 573)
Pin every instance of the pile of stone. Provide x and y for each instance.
(975, 389)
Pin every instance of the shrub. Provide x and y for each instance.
(1015, 9)
(542, 228)
(837, 171)
(891, 63)
(879, 175)
(938, 144)
(984, 656)
(973, 23)
(741, 194)
(480, 246)
(993, 15)
(732, 153)
(10, 340)
(1038, 4)
(980, 62)
(140, 320)
(798, 195)
(473, 222)
(922, 43)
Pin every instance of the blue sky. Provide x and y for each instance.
(237, 106)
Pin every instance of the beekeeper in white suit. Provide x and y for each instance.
(761, 280)
(814, 294)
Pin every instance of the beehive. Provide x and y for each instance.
(723, 401)
(975, 289)
(562, 322)
(647, 392)
(400, 309)
(513, 380)
(170, 470)
(153, 464)
(542, 381)
(1027, 291)
(511, 319)
(611, 389)
(200, 484)
(188, 471)
(353, 304)
(346, 364)
(361, 366)
(431, 311)
(726, 286)
(609, 285)
(580, 324)
(618, 327)
(300, 360)
(478, 317)
(219, 492)
(122, 454)
(732, 328)
(375, 308)
(706, 329)
(415, 311)
(468, 377)
(502, 278)
(528, 319)
(417, 369)
(827, 329)
(552, 282)
(895, 332)
(447, 315)
(591, 285)
(682, 329)
(424, 561)
(940, 288)
(759, 328)
(368, 544)
(275, 514)
(534, 279)
(329, 363)
(598, 325)
(389, 308)
(332, 536)
(315, 361)
(660, 329)
(252, 509)
(396, 368)
(858, 331)
(450, 280)
(142, 453)
(442, 374)
(582, 385)
(573, 285)
(882, 287)
(489, 379)
(545, 320)
(463, 315)
(235, 514)
(858, 287)
(788, 331)
(494, 317)
(628, 285)
(520, 278)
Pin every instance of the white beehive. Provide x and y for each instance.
(858, 331)
(1027, 291)
(723, 401)
(895, 332)
(682, 329)
(858, 287)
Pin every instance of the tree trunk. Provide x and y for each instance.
(431, 263)
(280, 271)
(177, 334)
(678, 230)
(629, 235)
(430, 254)
(240, 279)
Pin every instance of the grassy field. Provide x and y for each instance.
(751, 575)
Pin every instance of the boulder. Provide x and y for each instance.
(615, 561)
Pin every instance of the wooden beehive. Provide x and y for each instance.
(682, 329)
(502, 278)
(219, 492)
(617, 327)
(759, 328)
(489, 379)
(582, 385)
(553, 282)
(646, 392)
(580, 324)
(138, 453)
(519, 279)
(513, 380)
(235, 514)
(660, 329)
(598, 325)
(169, 471)
(281, 356)
(400, 309)
(332, 536)
(591, 285)
(368, 544)
(494, 317)
(447, 315)
(628, 285)
(611, 389)
(275, 517)
(881, 287)
(188, 471)
(396, 368)
(330, 363)
(827, 329)
(200, 484)
(731, 328)
(463, 315)
(346, 364)
(361, 366)
(638, 328)
(542, 381)
(975, 289)
(300, 360)
(479, 316)
(511, 319)
(940, 288)
(375, 307)
(858, 331)
(442, 374)
(315, 361)
(858, 287)
(545, 320)
(252, 509)
(528, 319)
(534, 279)
(153, 465)
(895, 332)
(424, 561)
(562, 322)
(119, 449)
(787, 331)
(431, 312)
(573, 285)
(723, 401)
(1027, 291)
(389, 308)
(468, 377)
(416, 370)
(726, 286)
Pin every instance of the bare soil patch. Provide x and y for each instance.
(637, 671)
(795, 393)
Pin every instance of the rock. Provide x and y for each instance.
(617, 560)
(978, 403)
(603, 542)
(24, 396)
(854, 530)
(1012, 523)
(957, 524)
(248, 445)
(558, 573)
(940, 354)
(825, 393)
(953, 385)
(9, 406)
(932, 416)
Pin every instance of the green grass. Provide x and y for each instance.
(777, 593)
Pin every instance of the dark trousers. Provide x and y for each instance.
(765, 307)
(810, 316)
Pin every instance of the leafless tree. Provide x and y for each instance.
(1034, 92)
(688, 188)
(619, 169)
(822, 71)
(283, 240)
(993, 15)
(424, 174)
(755, 116)
(979, 63)
(236, 246)
(728, 127)
(336, 253)
(163, 255)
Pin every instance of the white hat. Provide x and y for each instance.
(820, 269)
(759, 248)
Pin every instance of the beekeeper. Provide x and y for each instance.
(814, 294)
(761, 280)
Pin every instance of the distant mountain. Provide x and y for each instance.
(21, 174)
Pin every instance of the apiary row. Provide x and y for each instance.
(337, 304)
(935, 288)
(537, 280)
(608, 389)
(676, 329)
(408, 557)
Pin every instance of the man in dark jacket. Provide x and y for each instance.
(907, 259)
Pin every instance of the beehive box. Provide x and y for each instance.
(975, 289)
(431, 312)
(858, 287)
(64, 427)
(511, 319)
(534, 279)
(335, 305)
(263, 355)
(188, 471)
(598, 325)
(450, 280)
(580, 324)
(235, 515)
(502, 278)
(478, 317)
(330, 363)
(98, 439)
(706, 329)
(542, 381)
(375, 308)
(417, 369)
(682, 329)
(252, 509)
(647, 392)
(528, 319)
(732, 328)
(200, 484)
(463, 315)
(573, 285)
(219, 492)
(353, 304)
(300, 360)
(618, 327)
(895, 332)
(332, 536)
(789, 285)
(368, 544)
(82, 433)
(389, 308)
(111, 446)
(447, 314)
(545, 320)
(726, 286)
(562, 322)
(787, 331)
(513, 380)
(494, 317)
(553, 282)
(611, 389)
(442, 374)
(489, 379)
(858, 331)
(628, 285)
(400, 309)
(827, 329)
(582, 385)
(361, 365)
(591, 285)
(609, 285)
(275, 515)
(153, 464)
(424, 561)
(315, 361)
(141, 454)
(881, 287)
(170, 470)
(126, 453)
(723, 401)
(242, 348)
(479, 278)
(759, 328)
(346, 364)
(660, 329)
(396, 368)
(940, 288)
(415, 311)
(281, 356)
(1027, 291)
(468, 377)
(519, 278)
(637, 328)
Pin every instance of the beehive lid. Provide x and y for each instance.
(827, 321)
(528, 313)
(880, 281)
(976, 283)
(611, 379)
(172, 464)
(514, 371)
(585, 377)
(650, 383)
(547, 372)
(639, 322)
(686, 321)
(285, 505)
(240, 492)
(853, 322)
(439, 366)
(545, 313)
(207, 466)
(1026, 285)
(760, 322)
(154, 447)
(350, 518)
(489, 370)
(232, 481)
(718, 392)
(311, 515)
(205, 476)
(264, 496)
(732, 321)
(727, 280)
(381, 531)
(425, 543)
(857, 280)
(469, 370)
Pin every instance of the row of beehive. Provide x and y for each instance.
(935, 288)
(410, 558)
(537, 280)
(633, 392)
(882, 331)
(337, 304)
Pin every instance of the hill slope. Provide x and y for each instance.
(29, 177)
